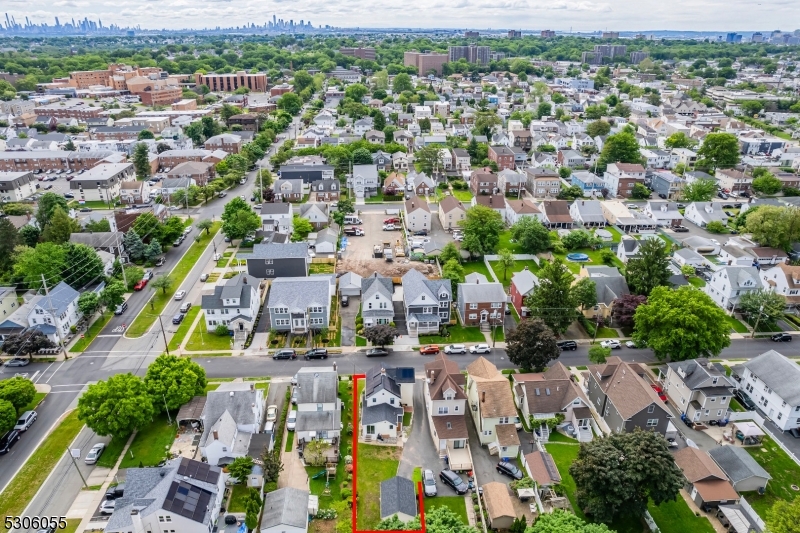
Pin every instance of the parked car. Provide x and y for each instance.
(781, 337)
(430, 349)
(390, 227)
(429, 482)
(451, 349)
(480, 348)
(95, 453)
(680, 229)
(421, 233)
(141, 284)
(291, 420)
(295, 392)
(121, 308)
(203, 277)
(795, 432)
(107, 507)
(634, 344)
(392, 220)
(508, 469)
(567, 345)
(177, 319)
(185, 307)
(377, 352)
(148, 275)
(17, 361)
(86, 209)
(179, 295)
(8, 440)
(286, 353)
(613, 344)
(508, 309)
(160, 261)
(272, 413)
(454, 480)
(354, 232)
(25, 421)
(345, 300)
(117, 491)
(316, 353)
(744, 399)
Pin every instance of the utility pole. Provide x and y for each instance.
(55, 319)
(166, 346)
(71, 456)
(758, 318)
(121, 264)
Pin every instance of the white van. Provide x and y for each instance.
(291, 420)
(155, 193)
(352, 219)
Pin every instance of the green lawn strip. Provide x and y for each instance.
(594, 260)
(463, 195)
(212, 387)
(407, 419)
(92, 332)
(201, 339)
(148, 316)
(93, 204)
(416, 475)
(555, 436)
(183, 329)
(112, 452)
(151, 444)
(238, 498)
(375, 464)
(360, 341)
(505, 243)
(458, 334)
(697, 282)
(477, 266)
(677, 517)
(519, 266)
(499, 335)
(784, 472)
(607, 333)
(736, 325)
(37, 399)
(218, 354)
(320, 268)
(289, 441)
(263, 385)
(736, 406)
(564, 455)
(457, 504)
(72, 525)
(19, 492)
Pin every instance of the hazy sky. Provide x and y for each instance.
(580, 15)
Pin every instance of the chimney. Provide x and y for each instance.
(136, 520)
(483, 396)
(383, 371)
(252, 386)
(244, 280)
(216, 435)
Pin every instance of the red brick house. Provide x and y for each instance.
(483, 181)
(503, 156)
(481, 301)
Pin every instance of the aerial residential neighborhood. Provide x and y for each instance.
(292, 277)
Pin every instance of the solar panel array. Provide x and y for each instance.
(187, 500)
(199, 471)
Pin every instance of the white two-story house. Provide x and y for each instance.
(234, 304)
(318, 405)
(381, 405)
(729, 283)
(55, 313)
(699, 389)
(446, 407)
(773, 382)
(783, 279)
(230, 417)
(276, 217)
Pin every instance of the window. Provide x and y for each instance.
(455, 408)
(487, 432)
(374, 400)
(270, 272)
(444, 410)
(713, 399)
(473, 316)
(315, 310)
(319, 407)
(652, 422)
(473, 306)
(391, 401)
(651, 409)
(267, 261)
(370, 430)
(780, 415)
(503, 420)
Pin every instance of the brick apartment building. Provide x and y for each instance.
(483, 181)
(360, 53)
(112, 133)
(71, 109)
(227, 142)
(425, 62)
(56, 160)
(503, 156)
(230, 82)
(172, 158)
(200, 172)
(248, 121)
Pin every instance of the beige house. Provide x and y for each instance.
(451, 212)
(417, 214)
(499, 505)
(492, 406)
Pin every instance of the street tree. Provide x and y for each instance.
(8, 416)
(240, 468)
(117, 407)
(170, 230)
(506, 262)
(621, 147)
(172, 381)
(60, 227)
(531, 234)
(640, 192)
(598, 354)
(362, 156)
(47, 258)
(719, 150)
(650, 268)
(763, 305)
(784, 517)
(598, 127)
(450, 251)
(141, 161)
(681, 324)
(700, 190)
(585, 293)
(146, 226)
(560, 521)
(532, 345)
(552, 299)
(767, 184)
(454, 271)
(238, 219)
(113, 294)
(381, 335)
(47, 204)
(88, 302)
(134, 245)
(152, 251)
(26, 343)
(482, 226)
(9, 239)
(301, 227)
(291, 103)
(84, 265)
(620, 474)
(429, 158)
(162, 282)
(18, 391)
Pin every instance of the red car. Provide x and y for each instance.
(393, 220)
(660, 392)
(429, 349)
(141, 284)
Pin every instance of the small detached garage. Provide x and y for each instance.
(398, 498)
(350, 284)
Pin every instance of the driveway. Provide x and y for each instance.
(348, 315)
(419, 451)
(484, 464)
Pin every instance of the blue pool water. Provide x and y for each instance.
(577, 257)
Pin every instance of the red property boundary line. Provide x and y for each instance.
(356, 425)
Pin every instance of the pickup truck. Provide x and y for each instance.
(356, 232)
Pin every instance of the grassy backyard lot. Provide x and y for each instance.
(92, 332)
(677, 517)
(477, 266)
(19, 492)
(183, 329)
(594, 260)
(505, 243)
(239, 494)
(697, 282)
(144, 321)
(375, 464)
(736, 325)
(320, 268)
(202, 339)
(151, 444)
(616, 236)
(94, 204)
(458, 334)
(519, 266)
(783, 470)
(112, 452)
(457, 504)
(463, 195)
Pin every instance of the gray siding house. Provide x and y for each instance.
(300, 304)
(623, 398)
(376, 300)
(269, 261)
(427, 302)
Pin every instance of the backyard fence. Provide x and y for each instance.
(756, 417)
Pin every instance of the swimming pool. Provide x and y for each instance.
(577, 257)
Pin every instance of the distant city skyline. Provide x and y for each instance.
(716, 16)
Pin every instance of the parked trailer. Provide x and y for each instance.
(377, 251)
(392, 211)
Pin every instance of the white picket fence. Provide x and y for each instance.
(518, 257)
(734, 416)
(752, 513)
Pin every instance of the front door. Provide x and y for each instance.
(583, 423)
(484, 315)
(241, 326)
(299, 322)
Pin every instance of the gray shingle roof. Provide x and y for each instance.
(276, 209)
(397, 496)
(317, 385)
(285, 507)
(737, 464)
(278, 251)
(238, 404)
(524, 280)
(319, 420)
(609, 283)
(482, 292)
(60, 297)
(240, 286)
(298, 294)
(415, 283)
(696, 371)
(382, 412)
(378, 378)
(779, 373)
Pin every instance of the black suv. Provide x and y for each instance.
(567, 345)
(454, 481)
(781, 337)
(316, 353)
(115, 492)
(8, 440)
(177, 319)
(745, 400)
(507, 469)
(285, 354)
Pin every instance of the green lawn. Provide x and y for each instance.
(677, 517)
(360, 341)
(607, 333)
(320, 268)
(92, 332)
(616, 236)
(112, 452)
(37, 399)
(211, 387)
(416, 475)
(463, 195)
(375, 464)
(697, 282)
(519, 266)
(183, 329)
(406, 419)
(736, 325)
(458, 334)
(505, 243)
(72, 525)
(289, 441)
(144, 321)
(784, 472)
(201, 339)
(477, 266)
(457, 504)
(594, 260)
(19, 492)
(94, 204)
(736, 406)
(555, 436)
(239, 494)
(151, 444)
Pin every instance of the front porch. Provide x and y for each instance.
(458, 458)
(317, 452)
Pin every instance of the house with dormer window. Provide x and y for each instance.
(730, 283)
(492, 407)
(481, 303)
(376, 300)
(446, 405)
(783, 279)
(701, 213)
(381, 405)
(699, 389)
(427, 302)
(234, 304)
(55, 313)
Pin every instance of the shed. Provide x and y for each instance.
(285, 511)
(398, 498)
(740, 467)
(498, 505)
(350, 284)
